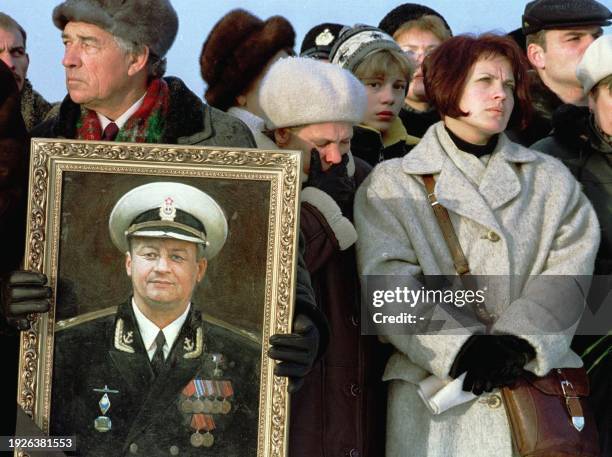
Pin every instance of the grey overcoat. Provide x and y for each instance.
(519, 214)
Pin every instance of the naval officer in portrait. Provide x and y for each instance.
(155, 379)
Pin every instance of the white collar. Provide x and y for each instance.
(149, 331)
(121, 120)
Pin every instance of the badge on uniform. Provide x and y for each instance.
(103, 423)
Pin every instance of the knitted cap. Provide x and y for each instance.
(356, 43)
(319, 40)
(300, 91)
(406, 13)
(152, 23)
(237, 49)
(558, 14)
(596, 63)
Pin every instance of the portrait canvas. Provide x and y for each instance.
(84, 369)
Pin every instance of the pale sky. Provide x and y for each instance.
(197, 17)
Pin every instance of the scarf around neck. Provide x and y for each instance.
(146, 125)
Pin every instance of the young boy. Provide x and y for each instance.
(379, 63)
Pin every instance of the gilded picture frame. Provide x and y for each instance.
(248, 289)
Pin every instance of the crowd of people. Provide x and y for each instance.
(512, 135)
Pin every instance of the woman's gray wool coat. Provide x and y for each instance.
(523, 217)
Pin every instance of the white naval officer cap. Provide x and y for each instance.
(169, 210)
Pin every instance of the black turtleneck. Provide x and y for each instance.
(478, 150)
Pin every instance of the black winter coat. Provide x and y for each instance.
(341, 409)
(588, 154)
(146, 413)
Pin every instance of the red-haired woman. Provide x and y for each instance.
(518, 215)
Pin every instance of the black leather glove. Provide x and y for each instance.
(24, 292)
(491, 361)
(335, 182)
(296, 352)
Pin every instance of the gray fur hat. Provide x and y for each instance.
(152, 23)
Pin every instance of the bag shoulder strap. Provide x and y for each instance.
(461, 264)
(452, 242)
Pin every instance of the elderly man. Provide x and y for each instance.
(557, 34)
(13, 53)
(114, 56)
(312, 106)
(154, 378)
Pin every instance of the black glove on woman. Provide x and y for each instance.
(335, 182)
(491, 361)
(296, 352)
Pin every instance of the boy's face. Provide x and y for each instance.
(386, 94)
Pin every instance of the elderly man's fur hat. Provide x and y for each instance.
(237, 49)
(152, 23)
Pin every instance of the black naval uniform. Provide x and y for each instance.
(150, 415)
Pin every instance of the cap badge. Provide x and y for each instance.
(167, 211)
(324, 38)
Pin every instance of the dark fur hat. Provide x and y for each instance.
(405, 13)
(236, 51)
(152, 23)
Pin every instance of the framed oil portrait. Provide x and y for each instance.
(86, 367)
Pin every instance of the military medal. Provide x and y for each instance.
(208, 439)
(186, 405)
(219, 397)
(103, 423)
(227, 391)
(208, 392)
(202, 422)
(197, 439)
(218, 360)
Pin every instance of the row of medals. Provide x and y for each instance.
(206, 406)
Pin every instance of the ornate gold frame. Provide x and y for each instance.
(50, 159)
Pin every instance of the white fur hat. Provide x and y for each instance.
(300, 91)
(596, 63)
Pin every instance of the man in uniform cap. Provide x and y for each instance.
(557, 34)
(154, 378)
(319, 40)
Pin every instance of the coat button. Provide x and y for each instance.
(133, 448)
(354, 453)
(494, 401)
(174, 450)
(492, 236)
(354, 320)
(355, 390)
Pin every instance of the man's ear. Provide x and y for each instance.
(536, 56)
(128, 263)
(138, 61)
(202, 265)
(282, 137)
